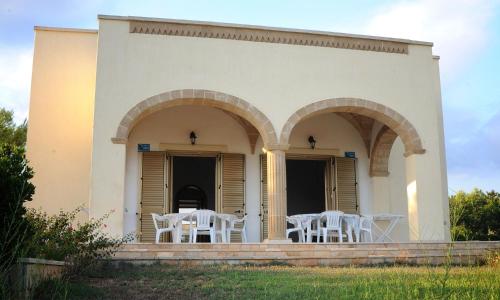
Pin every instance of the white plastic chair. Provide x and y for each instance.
(332, 221)
(204, 223)
(297, 228)
(351, 223)
(365, 226)
(310, 226)
(242, 230)
(159, 230)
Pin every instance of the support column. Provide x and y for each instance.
(426, 199)
(276, 189)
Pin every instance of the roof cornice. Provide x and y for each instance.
(140, 25)
(64, 29)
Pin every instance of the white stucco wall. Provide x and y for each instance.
(59, 143)
(398, 203)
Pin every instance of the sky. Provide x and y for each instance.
(465, 33)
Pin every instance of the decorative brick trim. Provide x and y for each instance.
(379, 161)
(214, 99)
(253, 34)
(252, 132)
(383, 114)
(363, 125)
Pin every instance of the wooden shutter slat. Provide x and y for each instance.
(263, 197)
(347, 194)
(153, 192)
(233, 187)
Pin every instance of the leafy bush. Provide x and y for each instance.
(82, 245)
(15, 190)
(476, 214)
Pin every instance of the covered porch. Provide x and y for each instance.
(363, 161)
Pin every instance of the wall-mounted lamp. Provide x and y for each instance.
(312, 141)
(193, 137)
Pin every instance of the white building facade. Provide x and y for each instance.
(156, 115)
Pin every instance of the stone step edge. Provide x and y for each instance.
(295, 250)
(291, 246)
(284, 258)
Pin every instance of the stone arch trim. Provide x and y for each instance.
(385, 115)
(381, 150)
(209, 98)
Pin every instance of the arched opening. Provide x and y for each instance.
(364, 116)
(383, 114)
(246, 112)
(209, 174)
(189, 198)
(325, 174)
(357, 137)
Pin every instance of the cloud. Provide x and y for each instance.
(461, 31)
(15, 80)
(458, 28)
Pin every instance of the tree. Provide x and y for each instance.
(10, 133)
(15, 190)
(475, 215)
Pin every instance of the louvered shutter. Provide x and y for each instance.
(347, 192)
(330, 193)
(233, 187)
(263, 197)
(153, 192)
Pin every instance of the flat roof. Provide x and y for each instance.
(265, 28)
(65, 29)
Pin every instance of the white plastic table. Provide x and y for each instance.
(352, 221)
(179, 217)
(225, 218)
(306, 221)
(393, 220)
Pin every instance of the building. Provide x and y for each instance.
(155, 115)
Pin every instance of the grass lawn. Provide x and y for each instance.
(285, 282)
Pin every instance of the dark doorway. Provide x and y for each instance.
(305, 184)
(190, 197)
(305, 187)
(193, 183)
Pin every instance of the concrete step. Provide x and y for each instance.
(307, 254)
(311, 246)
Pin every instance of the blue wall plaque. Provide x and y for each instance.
(350, 154)
(143, 147)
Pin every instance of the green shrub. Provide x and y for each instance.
(15, 190)
(475, 215)
(82, 245)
